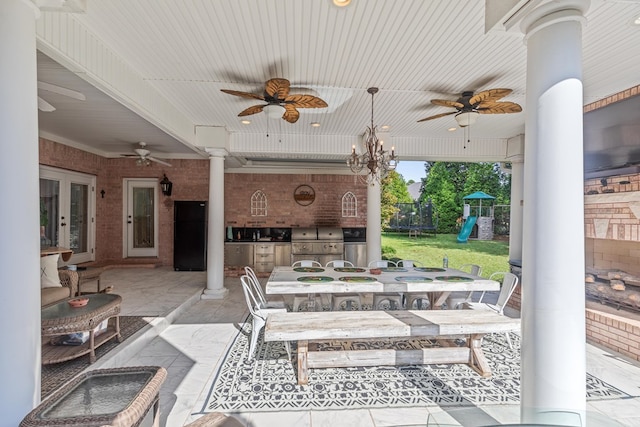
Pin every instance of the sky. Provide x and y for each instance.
(411, 170)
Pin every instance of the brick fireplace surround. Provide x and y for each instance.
(612, 233)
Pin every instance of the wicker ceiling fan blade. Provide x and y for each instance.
(277, 88)
(447, 103)
(251, 110)
(243, 94)
(305, 101)
(437, 116)
(291, 114)
(506, 107)
(490, 95)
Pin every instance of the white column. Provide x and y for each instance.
(374, 226)
(553, 313)
(19, 224)
(215, 228)
(515, 211)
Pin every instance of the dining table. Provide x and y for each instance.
(437, 282)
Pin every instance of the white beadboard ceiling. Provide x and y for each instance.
(413, 50)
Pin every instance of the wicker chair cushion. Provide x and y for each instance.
(49, 271)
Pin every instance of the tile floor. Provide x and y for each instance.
(189, 336)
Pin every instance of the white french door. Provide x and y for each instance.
(67, 212)
(141, 213)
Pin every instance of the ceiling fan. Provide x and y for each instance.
(469, 105)
(143, 155)
(279, 103)
(47, 107)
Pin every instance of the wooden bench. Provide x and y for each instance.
(444, 325)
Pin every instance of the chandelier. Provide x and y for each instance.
(373, 157)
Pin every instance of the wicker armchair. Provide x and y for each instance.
(69, 281)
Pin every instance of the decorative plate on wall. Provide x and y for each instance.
(304, 195)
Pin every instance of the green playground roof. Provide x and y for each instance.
(478, 195)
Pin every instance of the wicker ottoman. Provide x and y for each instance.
(87, 274)
(118, 397)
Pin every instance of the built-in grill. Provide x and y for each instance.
(322, 244)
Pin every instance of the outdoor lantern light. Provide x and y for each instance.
(166, 185)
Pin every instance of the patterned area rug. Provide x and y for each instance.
(269, 382)
(57, 374)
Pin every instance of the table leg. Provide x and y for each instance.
(438, 298)
(92, 347)
(118, 336)
(303, 369)
(477, 360)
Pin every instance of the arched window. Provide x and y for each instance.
(258, 204)
(349, 204)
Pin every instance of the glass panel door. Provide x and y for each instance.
(141, 225)
(67, 203)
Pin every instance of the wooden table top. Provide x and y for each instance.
(65, 253)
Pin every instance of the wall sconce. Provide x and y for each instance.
(102, 193)
(166, 185)
(603, 181)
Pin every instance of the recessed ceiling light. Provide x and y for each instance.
(452, 129)
(315, 124)
(245, 122)
(385, 127)
(637, 21)
(341, 3)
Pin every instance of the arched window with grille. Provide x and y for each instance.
(349, 205)
(258, 204)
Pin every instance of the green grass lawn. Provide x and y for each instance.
(491, 255)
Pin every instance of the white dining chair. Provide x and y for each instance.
(344, 301)
(509, 283)
(382, 263)
(418, 299)
(304, 301)
(306, 263)
(259, 293)
(339, 263)
(409, 263)
(393, 301)
(258, 315)
(457, 299)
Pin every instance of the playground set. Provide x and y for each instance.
(478, 219)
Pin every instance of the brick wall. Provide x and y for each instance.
(190, 182)
(282, 210)
(618, 333)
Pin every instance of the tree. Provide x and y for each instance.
(393, 191)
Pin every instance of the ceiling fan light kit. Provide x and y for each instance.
(274, 111)
(466, 118)
(378, 161)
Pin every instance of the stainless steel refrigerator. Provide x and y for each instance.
(190, 236)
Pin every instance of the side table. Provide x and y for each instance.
(103, 397)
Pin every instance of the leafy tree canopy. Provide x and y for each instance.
(394, 191)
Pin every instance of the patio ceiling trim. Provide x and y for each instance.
(74, 46)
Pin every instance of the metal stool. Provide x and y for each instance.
(349, 300)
